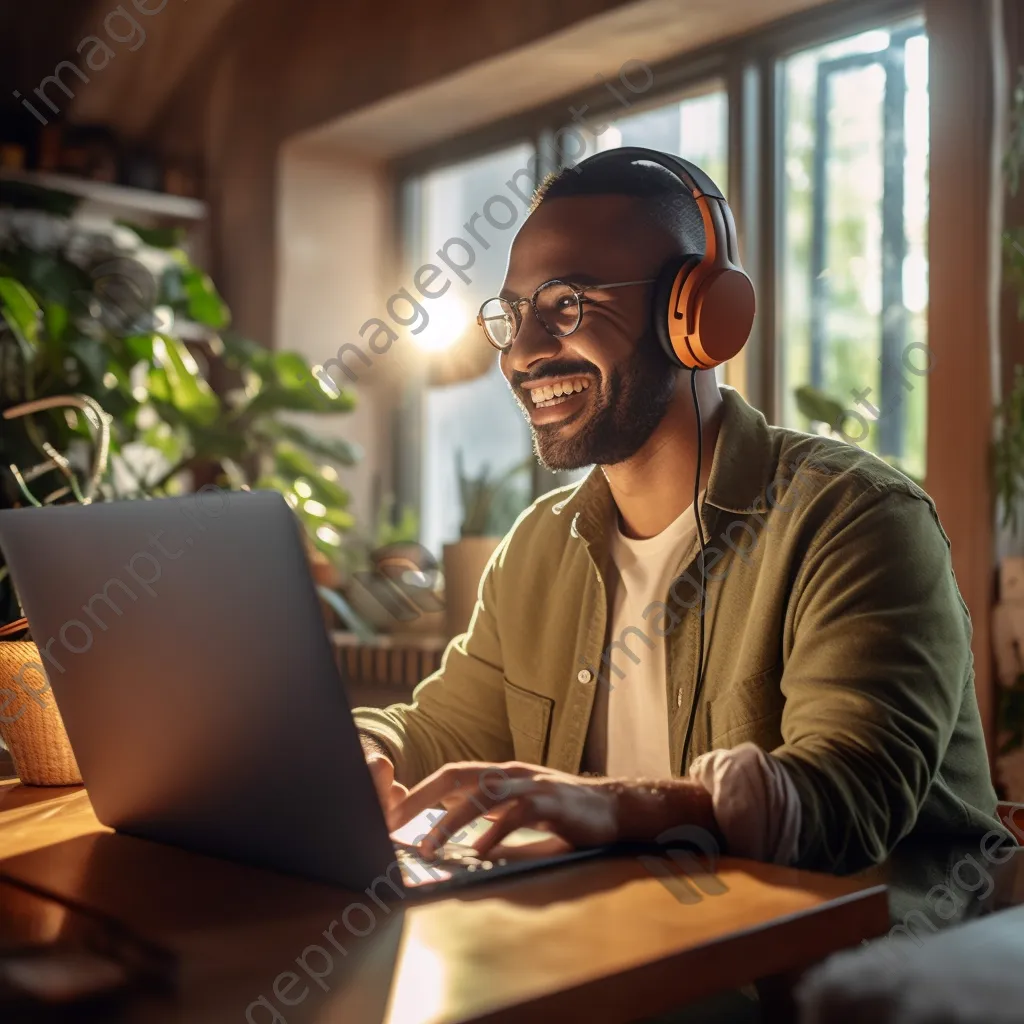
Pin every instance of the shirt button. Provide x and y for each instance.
(583, 676)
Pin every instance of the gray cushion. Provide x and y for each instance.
(966, 974)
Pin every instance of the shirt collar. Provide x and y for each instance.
(740, 473)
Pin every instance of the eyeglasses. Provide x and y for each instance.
(558, 305)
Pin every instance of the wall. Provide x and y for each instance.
(278, 70)
(325, 290)
(963, 323)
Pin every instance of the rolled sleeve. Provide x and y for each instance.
(757, 806)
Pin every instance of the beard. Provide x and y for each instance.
(627, 407)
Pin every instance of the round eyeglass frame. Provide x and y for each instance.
(511, 307)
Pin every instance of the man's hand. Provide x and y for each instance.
(582, 812)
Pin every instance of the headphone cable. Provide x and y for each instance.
(699, 681)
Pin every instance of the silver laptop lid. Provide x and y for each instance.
(185, 646)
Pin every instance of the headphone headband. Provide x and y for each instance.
(703, 304)
(696, 180)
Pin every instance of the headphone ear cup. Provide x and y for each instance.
(667, 288)
(724, 315)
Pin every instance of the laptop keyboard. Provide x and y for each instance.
(455, 860)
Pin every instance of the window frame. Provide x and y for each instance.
(750, 68)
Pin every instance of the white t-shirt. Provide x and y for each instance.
(642, 572)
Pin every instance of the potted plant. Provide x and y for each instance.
(136, 327)
(489, 509)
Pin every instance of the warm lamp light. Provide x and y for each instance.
(449, 318)
(454, 348)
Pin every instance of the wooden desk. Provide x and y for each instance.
(600, 941)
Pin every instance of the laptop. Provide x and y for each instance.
(185, 646)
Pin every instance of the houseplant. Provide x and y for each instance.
(122, 316)
(1008, 476)
(489, 508)
(1008, 623)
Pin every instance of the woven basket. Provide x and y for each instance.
(30, 723)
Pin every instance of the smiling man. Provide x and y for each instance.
(834, 720)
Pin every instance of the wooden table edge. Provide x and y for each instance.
(600, 994)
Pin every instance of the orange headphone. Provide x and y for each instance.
(703, 306)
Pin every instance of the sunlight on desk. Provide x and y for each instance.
(420, 986)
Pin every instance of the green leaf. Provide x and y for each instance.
(291, 369)
(338, 518)
(273, 398)
(92, 356)
(55, 316)
(139, 347)
(159, 238)
(124, 384)
(293, 464)
(336, 450)
(165, 441)
(339, 521)
(272, 482)
(51, 277)
(388, 532)
(239, 351)
(204, 303)
(188, 391)
(20, 310)
(218, 441)
(819, 407)
(159, 387)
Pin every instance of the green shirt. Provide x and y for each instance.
(836, 639)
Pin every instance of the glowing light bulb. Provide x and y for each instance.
(449, 318)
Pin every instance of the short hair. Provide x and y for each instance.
(665, 198)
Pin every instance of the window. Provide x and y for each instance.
(696, 128)
(838, 252)
(477, 419)
(854, 269)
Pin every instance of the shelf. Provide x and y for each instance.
(120, 197)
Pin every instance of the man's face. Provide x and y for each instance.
(616, 381)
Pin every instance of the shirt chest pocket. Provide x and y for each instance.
(529, 719)
(747, 712)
